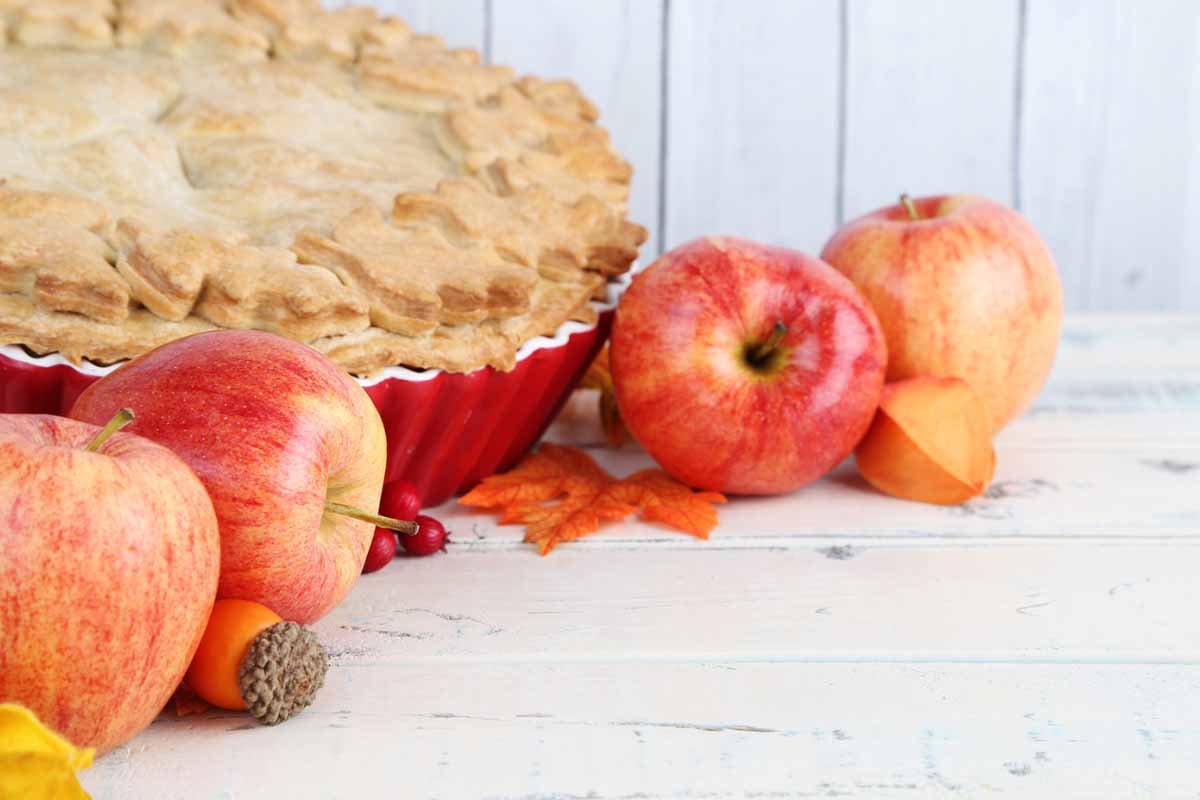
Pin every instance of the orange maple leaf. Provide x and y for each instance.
(561, 493)
(540, 476)
(661, 498)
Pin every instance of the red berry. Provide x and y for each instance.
(400, 501)
(382, 551)
(429, 538)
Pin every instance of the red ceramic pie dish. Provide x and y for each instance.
(446, 431)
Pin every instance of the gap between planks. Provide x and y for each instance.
(1098, 658)
(902, 539)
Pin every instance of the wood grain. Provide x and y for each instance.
(752, 121)
(612, 50)
(1109, 171)
(1087, 601)
(929, 100)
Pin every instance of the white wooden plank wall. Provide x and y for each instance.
(752, 121)
(1111, 147)
(775, 120)
(929, 100)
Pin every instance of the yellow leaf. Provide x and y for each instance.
(35, 762)
(38, 776)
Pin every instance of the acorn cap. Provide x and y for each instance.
(282, 671)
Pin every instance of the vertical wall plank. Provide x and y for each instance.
(752, 120)
(460, 22)
(612, 50)
(929, 99)
(1110, 155)
(1189, 265)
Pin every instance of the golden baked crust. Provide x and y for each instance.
(329, 176)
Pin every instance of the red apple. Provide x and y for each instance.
(745, 368)
(276, 432)
(964, 288)
(108, 571)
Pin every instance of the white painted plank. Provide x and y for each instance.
(1060, 475)
(460, 22)
(1189, 290)
(1082, 601)
(1143, 492)
(613, 51)
(752, 121)
(1122, 345)
(1109, 171)
(721, 730)
(929, 100)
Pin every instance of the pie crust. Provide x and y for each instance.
(329, 176)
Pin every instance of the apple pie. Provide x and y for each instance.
(326, 175)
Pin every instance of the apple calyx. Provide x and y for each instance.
(378, 520)
(910, 207)
(761, 356)
(119, 420)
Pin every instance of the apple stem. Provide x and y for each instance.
(909, 206)
(119, 420)
(378, 520)
(764, 350)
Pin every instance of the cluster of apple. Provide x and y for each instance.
(750, 369)
(250, 469)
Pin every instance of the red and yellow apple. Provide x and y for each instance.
(281, 437)
(108, 570)
(964, 287)
(745, 368)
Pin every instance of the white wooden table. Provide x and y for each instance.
(1042, 641)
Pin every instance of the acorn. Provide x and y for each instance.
(282, 671)
(251, 659)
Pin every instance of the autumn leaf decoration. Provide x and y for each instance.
(187, 702)
(561, 494)
(36, 762)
